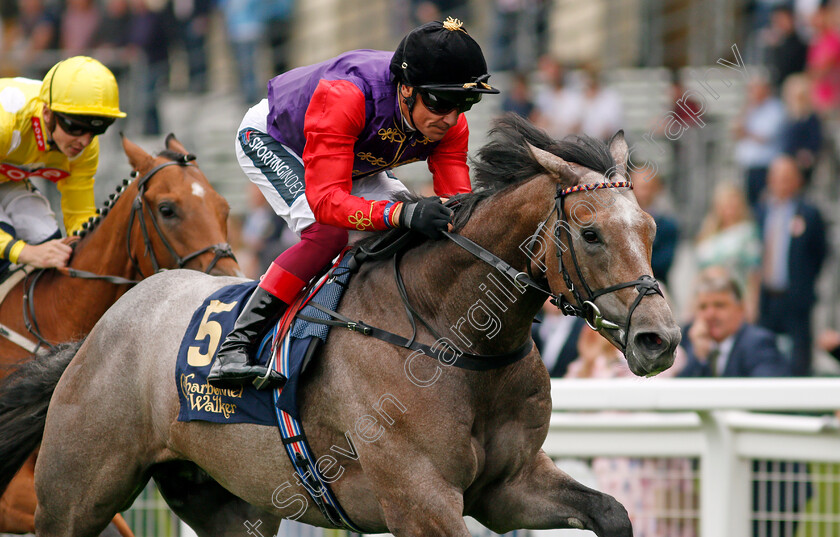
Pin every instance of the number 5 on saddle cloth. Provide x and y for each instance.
(245, 404)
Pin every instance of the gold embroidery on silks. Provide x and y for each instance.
(392, 135)
(424, 141)
(368, 157)
(361, 221)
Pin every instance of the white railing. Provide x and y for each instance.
(714, 421)
(711, 420)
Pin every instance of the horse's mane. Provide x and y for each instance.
(101, 212)
(506, 161)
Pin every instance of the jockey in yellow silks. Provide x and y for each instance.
(48, 129)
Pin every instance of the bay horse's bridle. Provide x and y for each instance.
(138, 211)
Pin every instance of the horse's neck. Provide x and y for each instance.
(103, 251)
(482, 310)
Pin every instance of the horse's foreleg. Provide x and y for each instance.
(417, 503)
(541, 496)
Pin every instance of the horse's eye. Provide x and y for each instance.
(590, 236)
(167, 209)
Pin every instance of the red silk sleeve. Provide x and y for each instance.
(448, 162)
(334, 119)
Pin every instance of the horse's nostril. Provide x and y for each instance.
(650, 341)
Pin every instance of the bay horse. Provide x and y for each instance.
(169, 217)
(418, 444)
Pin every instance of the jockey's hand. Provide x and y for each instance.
(428, 216)
(50, 254)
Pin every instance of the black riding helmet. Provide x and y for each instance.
(442, 59)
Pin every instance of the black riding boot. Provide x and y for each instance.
(233, 365)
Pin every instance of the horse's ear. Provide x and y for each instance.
(173, 144)
(137, 157)
(619, 151)
(555, 165)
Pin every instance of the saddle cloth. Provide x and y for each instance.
(217, 315)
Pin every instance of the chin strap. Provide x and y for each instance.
(410, 101)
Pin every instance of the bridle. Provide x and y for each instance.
(584, 297)
(139, 209)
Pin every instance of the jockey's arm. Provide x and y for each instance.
(334, 120)
(448, 162)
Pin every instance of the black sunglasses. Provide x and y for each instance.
(74, 127)
(442, 104)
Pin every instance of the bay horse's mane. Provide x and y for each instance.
(101, 212)
(506, 161)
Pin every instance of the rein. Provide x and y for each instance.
(583, 306)
(442, 349)
(138, 210)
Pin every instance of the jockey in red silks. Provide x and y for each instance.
(318, 149)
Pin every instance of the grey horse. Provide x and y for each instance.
(410, 444)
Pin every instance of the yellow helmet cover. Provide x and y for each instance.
(81, 86)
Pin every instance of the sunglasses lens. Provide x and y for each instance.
(442, 105)
(77, 128)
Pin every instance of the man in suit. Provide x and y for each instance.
(720, 342)
(794, 238)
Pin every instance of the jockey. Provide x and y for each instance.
(319, 148)
(48, 129)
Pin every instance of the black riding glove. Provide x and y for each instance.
(428, 216)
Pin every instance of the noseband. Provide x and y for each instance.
(583, 295)
(138, 211)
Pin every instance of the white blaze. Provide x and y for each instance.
(198, 190)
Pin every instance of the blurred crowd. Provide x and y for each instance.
(127, 33)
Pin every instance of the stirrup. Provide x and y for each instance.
(271, 380)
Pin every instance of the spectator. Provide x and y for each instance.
(423, 11)
(245, 29)
(113, 38)
(558, 104)
(79, 25)
(518, 99)
(795, 246)
(192, 20)
(649, 193)
(516, 34)
(758, 133)
(38, 32)
(149, 43)
(556, 337)
(720, 342)
(823, 62)
(729, 238)
(786, 52)
(602, 112)
(278, 21)
(802, 131)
